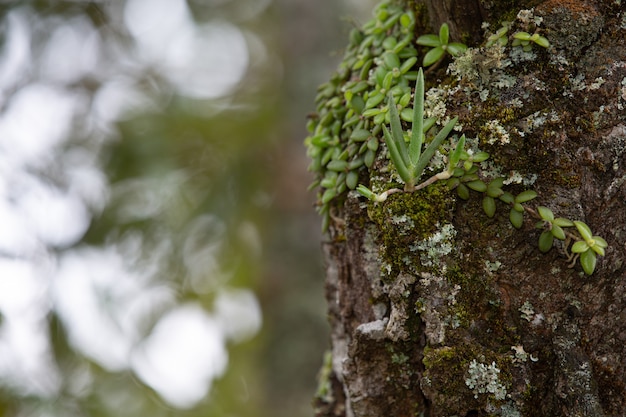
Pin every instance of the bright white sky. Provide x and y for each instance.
(103, 300)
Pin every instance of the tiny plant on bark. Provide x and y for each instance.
(462, 174)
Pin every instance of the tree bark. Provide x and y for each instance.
(438, 310)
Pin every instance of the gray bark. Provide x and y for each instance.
(496, 327)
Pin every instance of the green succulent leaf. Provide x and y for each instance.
(463, 192)
(337, 165)
(580, 247)
(444, 34)
(429, 40)
(598, 249)
(545, 241)
(396, 132)
(583, 229)
(545, 213)
(481, 157)
(522, 36)
(477, 186)
(396, 158)
(417, 127)
(588, 261)
(494, 189)
(328, 195)
(360, 135)
(432, 147)
(366, 192)
(540, 40)
(557, 232)
(525, 196)
(455, 156)
(489, 206)
(352, 179)
(516, 218)
(456, 49)
(600, 242)
(433, 56)
(507, 197)
(453, 183)
(560, 221)
(408, 64)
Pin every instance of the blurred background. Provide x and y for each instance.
(159, 252)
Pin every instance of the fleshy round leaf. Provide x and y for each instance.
(579, 247)
(598, 249)
(456, 49)
(489, 206)
(477, 186)
(525, 196)
(507, 197)
(453, 183)
(429, 40)
(433, 56)
(600, 242)
(328, 195)
(352, 179)
(444, 34)
(545, 241)
(541, 41)
(481, 157)
(523, 36)
(583, 229)
(516, 218)
(557, 232)
(545, 213)
(560, 221)
(588, 261)
(463, 191)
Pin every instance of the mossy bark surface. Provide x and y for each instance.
(438, 310)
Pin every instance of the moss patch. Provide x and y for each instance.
(407, 218)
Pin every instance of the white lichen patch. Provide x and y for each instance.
(515, 177)
(527, 16)
(596, 84)
(492, 266)
(519, 354)
(434, 104)
(433, 248)
(527, 310)
(485, 379)
(497, 133)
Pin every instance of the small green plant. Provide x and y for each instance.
(411, 161)
(520, 38)
(524, 40)
(586, 245)
(440, 44)
(462, 175)
(367, 101)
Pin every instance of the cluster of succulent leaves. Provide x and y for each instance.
(587, 248)
(371, 90)
(520, 38)
(440, 44)
(344, 133)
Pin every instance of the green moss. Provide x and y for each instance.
(407, 218)
(446, 370)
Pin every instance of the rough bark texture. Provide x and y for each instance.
(438, 310)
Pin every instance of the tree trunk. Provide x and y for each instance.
(437, 309)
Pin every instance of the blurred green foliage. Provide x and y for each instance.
(237, 158)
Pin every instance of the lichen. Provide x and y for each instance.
(485, 379)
